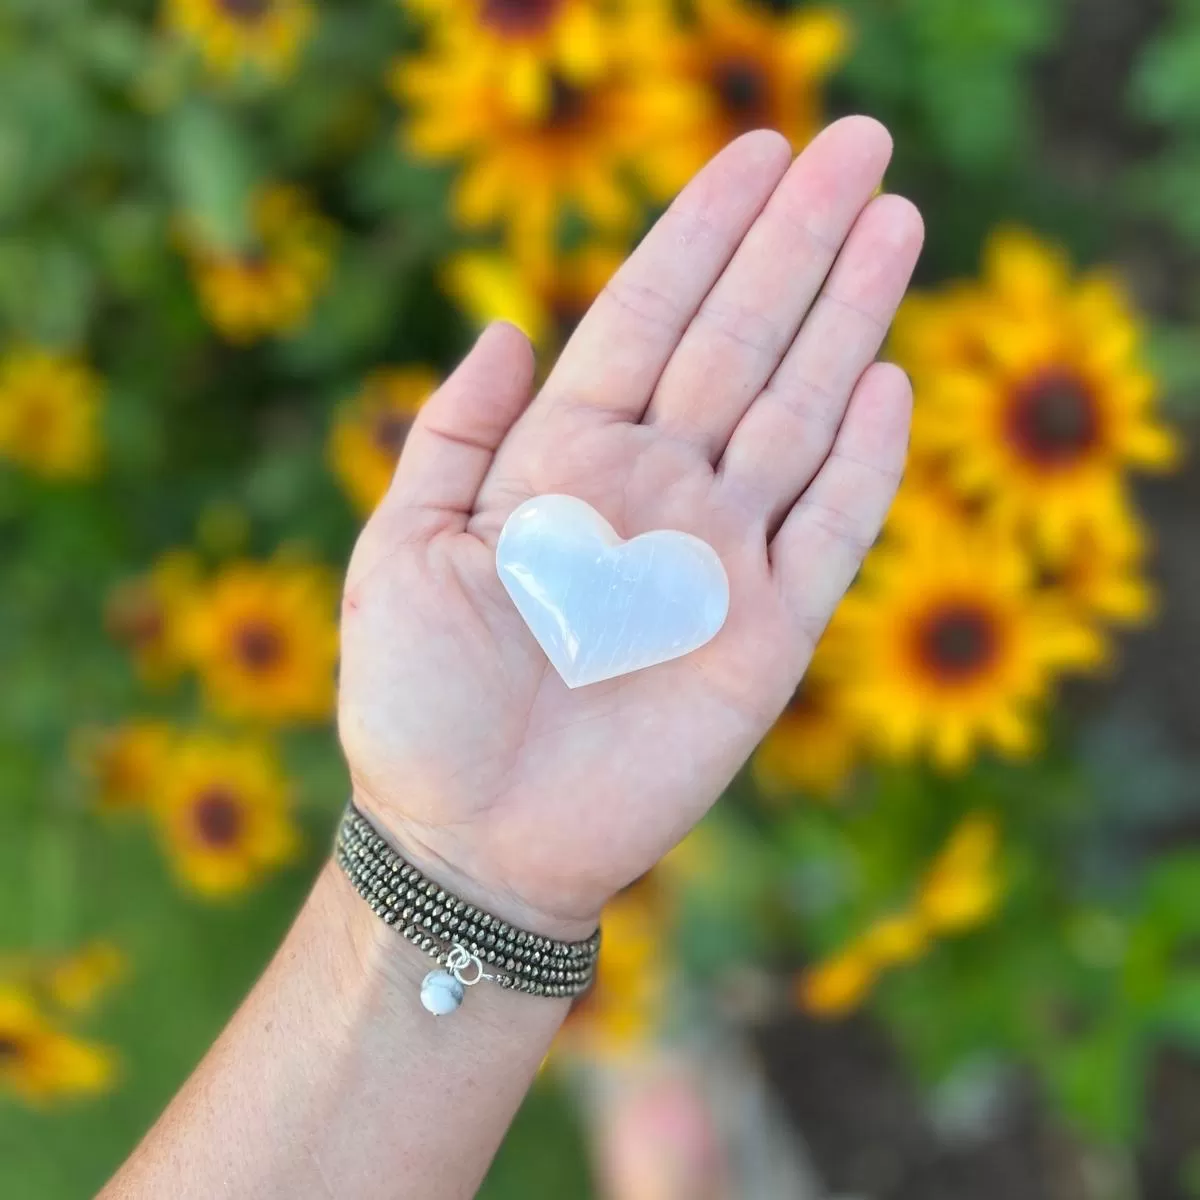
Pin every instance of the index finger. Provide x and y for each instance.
(621, 346)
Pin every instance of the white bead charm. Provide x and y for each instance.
(441, 993)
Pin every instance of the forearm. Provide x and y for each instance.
(332, 1080)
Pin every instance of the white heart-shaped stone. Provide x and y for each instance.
(599, 606)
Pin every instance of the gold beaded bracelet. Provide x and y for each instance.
(469, 944)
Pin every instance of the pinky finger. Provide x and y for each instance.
(823, 540)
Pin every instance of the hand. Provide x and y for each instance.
(723, 384)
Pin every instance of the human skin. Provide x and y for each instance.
(724, 384)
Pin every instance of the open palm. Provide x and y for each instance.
(723, 384)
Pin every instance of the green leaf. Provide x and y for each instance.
(210, 167)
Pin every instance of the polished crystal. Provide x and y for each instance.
(601, 607)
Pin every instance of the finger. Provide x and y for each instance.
(828, 532)
(749, 319)
(459, 428)
(619, 350)
(783, 439)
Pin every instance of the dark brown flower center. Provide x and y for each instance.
(246, 10)
(567, 106)
(518, 18)
(390, 430)
(957, 642)
(10, 1048)
(259, 645)
(742, 88)
(218, 817)
(1053, 421)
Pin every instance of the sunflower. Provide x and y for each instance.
(39, 1062)
(522, 167)
(526, 40)
(125, 764)
(962, 887)
(1104, 577)
(947, 644)
(1034, 393)
(223, 813)
(270, 287)
(49, 414)
(625, 1004)
(813, 747)
(369, 432)
(545, 300)
(737, 67)
(143, 614)
(263, 638)
(266, 35)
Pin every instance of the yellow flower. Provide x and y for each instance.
(813, 747)
(369, 432)
(1103, 576)
(523, 39)
(962, 887)
(736, 68)
(49, 414)
(947, 644)
(839, 983)
(272, 286)
(143, 614)
(263, 638)
(39, 1062)
(223, 813)
(231, 35)
(522, 166)
(546, 300)
(1034, 393)
(126, 763)
(625, 1004)
(895, 940)
(76, 982)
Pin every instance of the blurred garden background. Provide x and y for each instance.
(944, 934)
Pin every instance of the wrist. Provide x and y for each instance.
(459, 865)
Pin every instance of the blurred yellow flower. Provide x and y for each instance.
(143, 614)
(369, 432)
(49, 414)
(125, 764)
(960, 890)
(522, 167)
(546, 299)
(946, 644)
(737, 67)
(1103, 577)
(76, 982)
(266, 35)
(1033, 392)
(813, 747)
(523, 39)
(272, 286)
(223, 813)
(263, 638)
(39, 1062)
(962, 886)
(838, 984)
(624, 1005)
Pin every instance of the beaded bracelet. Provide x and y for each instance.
(469, 944)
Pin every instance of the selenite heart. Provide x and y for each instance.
(601, 607)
